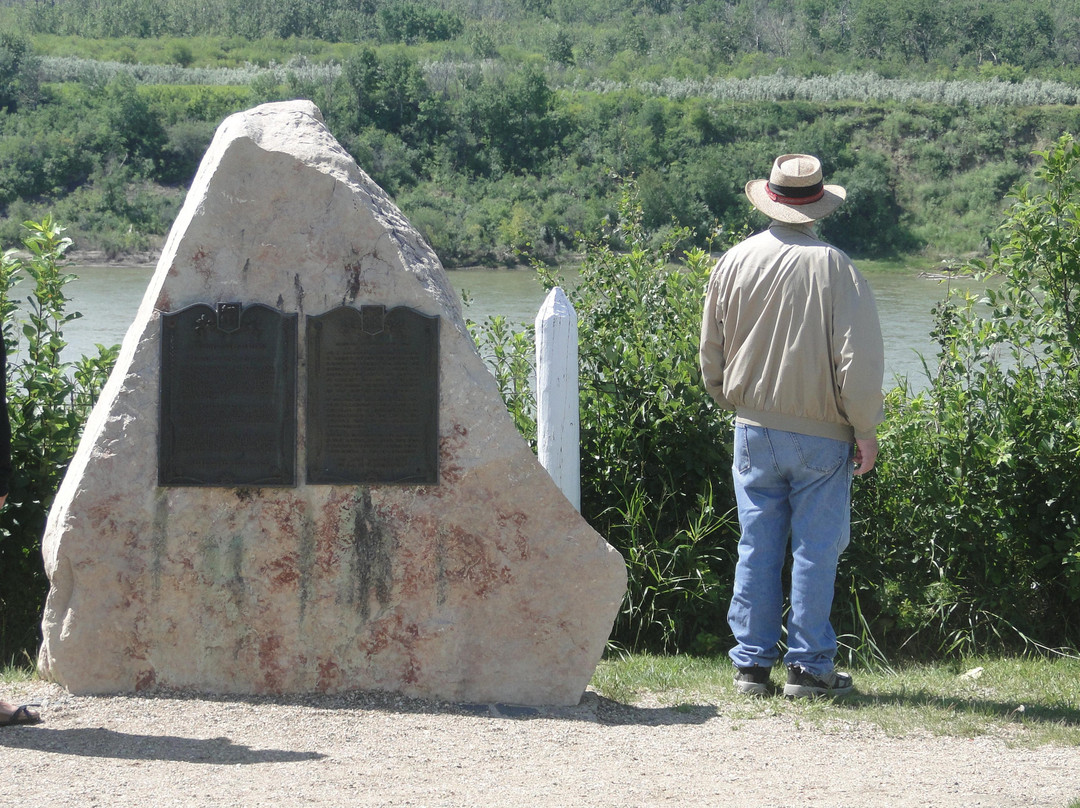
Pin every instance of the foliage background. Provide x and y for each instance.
(505, 129)
(983, 551)
(965, 538)
(48, 401)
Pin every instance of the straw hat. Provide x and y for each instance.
(795, 192)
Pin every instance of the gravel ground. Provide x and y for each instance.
(382, 750)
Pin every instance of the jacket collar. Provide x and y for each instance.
(807, 229)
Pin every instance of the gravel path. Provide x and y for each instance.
(382, 750)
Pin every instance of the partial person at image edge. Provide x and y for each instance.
(791, 342)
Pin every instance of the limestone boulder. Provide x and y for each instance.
(486, 586)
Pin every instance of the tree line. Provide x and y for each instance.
(904, 35)
(495, 164)
(507, 135)
(505, 129)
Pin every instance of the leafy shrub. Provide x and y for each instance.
(870, 221)
(187, 143)
(18, 72)
(655, 454)
(509, 355)
(514, 116)
(966, 539)
(983, 550)
(405, 21)
(188, 103)
(48, 401)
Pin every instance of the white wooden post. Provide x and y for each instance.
(557, 414)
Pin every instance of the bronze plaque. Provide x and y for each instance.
(373, 396)
(228, 397)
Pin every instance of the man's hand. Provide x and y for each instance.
(866, 450)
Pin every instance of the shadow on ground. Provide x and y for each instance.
(107, 743)
(981, 708)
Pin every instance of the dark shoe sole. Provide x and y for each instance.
(814, 692)
(752, 688)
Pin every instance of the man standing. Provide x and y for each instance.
(790, 341)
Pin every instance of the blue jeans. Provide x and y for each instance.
(798, 486)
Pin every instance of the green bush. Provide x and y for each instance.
(655, 453)
(18, 72)
(966, 539)
(968, 535)
(48, 401)
(404, 21)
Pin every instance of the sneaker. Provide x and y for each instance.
(803, 684)
(753, 681)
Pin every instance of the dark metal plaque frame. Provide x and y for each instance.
(227, 397)
(373, 396)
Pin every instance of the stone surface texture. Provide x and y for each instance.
(487, 587)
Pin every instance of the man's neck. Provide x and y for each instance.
(809, 228)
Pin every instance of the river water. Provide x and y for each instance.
(108, 298)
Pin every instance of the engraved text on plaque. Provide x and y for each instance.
(373, 396)
(228, 397)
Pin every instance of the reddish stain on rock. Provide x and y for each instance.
(465, 559)
(394, 636)
(450, 471)
(272, 663)
(332, 521)
(412, 672)
(330, 676)
(518, 520)
(145, 681)
(285, 512)
(102, 516)
(164, 302)
(282, 571)
(203, 263)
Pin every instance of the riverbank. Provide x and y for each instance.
(373, 749)
(100, 258)
(909, 264)
(149, 258)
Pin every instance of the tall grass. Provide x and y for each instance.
(675, 595)
(856, 87)
(448, 73)
(1029, 701)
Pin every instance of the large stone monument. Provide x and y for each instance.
(300, 476)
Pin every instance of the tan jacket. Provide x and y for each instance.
(790, 337)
